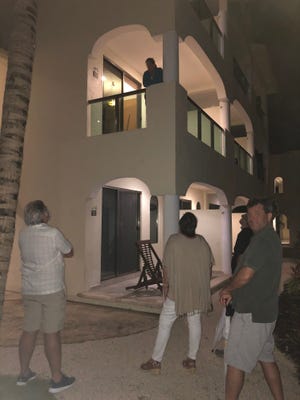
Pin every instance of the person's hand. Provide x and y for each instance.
(165, 291)
(225, 297)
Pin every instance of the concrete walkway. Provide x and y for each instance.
(108, 369)
(113, 293)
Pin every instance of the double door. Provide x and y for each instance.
(120, 231)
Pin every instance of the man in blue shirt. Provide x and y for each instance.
(153, 74)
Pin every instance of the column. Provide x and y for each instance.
(171, 215)
(170, 56)
(250, 148)
(224, 105)
(223, 22)
(226, 238)
(223, 16)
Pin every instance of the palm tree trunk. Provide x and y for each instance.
(14, 118)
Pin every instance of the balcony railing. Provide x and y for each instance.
(121, 112)
(208, 22)
(204, 128)
(242, 158)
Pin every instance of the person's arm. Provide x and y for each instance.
(243, 276)
(63, 245)
(146, 80)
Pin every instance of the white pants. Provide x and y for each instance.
(166, 321)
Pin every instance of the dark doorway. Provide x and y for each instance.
(120, 231)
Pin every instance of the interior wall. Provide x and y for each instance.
(196, 195)
(236, 227)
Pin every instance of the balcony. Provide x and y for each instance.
(242, 158)
(118, 113)
(240, 77)
(204, 128)
(127, 112)
(208, 22)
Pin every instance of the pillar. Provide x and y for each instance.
(250, 148)
(224, 105)
(170, 56)
(171, 215)
(222, 22)
(226, 238)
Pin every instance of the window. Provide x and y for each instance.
(185, 204)
(122, 105)
(278, 185)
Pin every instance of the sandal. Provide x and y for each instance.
(152, 365)
(189, 364)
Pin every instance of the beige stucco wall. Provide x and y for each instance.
(67, 169)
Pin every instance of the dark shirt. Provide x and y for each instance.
(242, 241)
(260, 295)
(155, 77)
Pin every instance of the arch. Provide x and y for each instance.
(93, 221)
(240, 204)
(114, 33)
(239, 114)
(213, 224)
(191, 42)
(281, 227)
(278, 184)
(114, 46)
(242, 127)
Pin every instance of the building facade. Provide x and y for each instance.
(117, 163)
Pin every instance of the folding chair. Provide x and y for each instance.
(151, 273)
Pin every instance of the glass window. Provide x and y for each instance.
(192, 119)
(205, 130)
(218, 139)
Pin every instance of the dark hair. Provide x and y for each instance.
(150, 60)
(187, 224)
(269, 205)
(35, 213)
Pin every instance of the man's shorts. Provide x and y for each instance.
(249, 342)
(44, 312)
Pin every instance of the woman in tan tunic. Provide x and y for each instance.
(187, 264)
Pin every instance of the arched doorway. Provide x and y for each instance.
(214, 220)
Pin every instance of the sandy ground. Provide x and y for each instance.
(108, 369)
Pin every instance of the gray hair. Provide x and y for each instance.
(35, 213)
